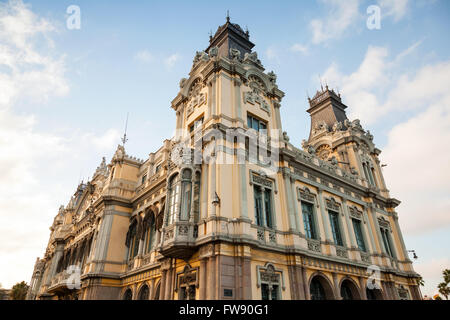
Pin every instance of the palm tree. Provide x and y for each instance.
(443, 287)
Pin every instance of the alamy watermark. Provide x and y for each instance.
(73, 21)
(374, 280)
(374, 19)
(74, 279)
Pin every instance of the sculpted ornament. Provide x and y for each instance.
(200, 56)
(235, 54)
(213, 52)
(272, 77)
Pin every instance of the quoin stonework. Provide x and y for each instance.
(229, 208)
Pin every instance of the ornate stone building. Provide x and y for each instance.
(310, 223)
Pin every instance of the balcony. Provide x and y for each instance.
(179, 240)
(61, 283)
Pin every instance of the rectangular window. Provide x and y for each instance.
(197, 124)
(387, 241)
(255, 123)
(144, 178)
(158, 167)
(358, 234)
(268, 207)
(308, 220)
(264, 291)
(258, 206)
(267, 294)
(334, 221)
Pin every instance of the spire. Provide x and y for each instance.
(124, 139)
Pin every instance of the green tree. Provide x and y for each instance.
(19, 291)
(443, 287)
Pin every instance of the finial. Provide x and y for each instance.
(124, 139)
(228, 15)
(210, 35)
(246, 31)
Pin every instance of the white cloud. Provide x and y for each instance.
(341, 15)
(144, 56)
(418, 169)
(171, 60)
(297, 47)
(358, 87)
(395, 8)
(431, 272)
(37, 168)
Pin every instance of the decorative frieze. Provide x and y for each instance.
(270, 275)
(305, 194)
(341, 252)
(365, 257)
(260, 235)
(272, 237)
(314, 245)
(383, 223)
(332, 204)
(355, 213)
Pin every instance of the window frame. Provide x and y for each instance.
(336, 229)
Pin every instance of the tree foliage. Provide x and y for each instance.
(443, 287)
(19, 291)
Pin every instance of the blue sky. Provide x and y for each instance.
(64, 105)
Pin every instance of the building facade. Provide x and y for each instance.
(229, 208)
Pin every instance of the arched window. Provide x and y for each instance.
(320, 289)
(196, 198)
(346, 292)
(174, 195)
(128, 295)
(150, 233)
(186, 194)
(132, 241)
(316, 289)
(143, 293)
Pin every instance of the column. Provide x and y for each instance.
(204, 187)
(243, 186)
(202, 279)
(400, 236)
(211, 278)
(212, 167)
(57, 255)
(169, 289)
(162, 285)
(336, 287)
(379, 240)
(362, 288)
(349, 224)
(288, 189)
(298, 221)
(324, 215)
(373, 248)
(305, 284)
(237, 95)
